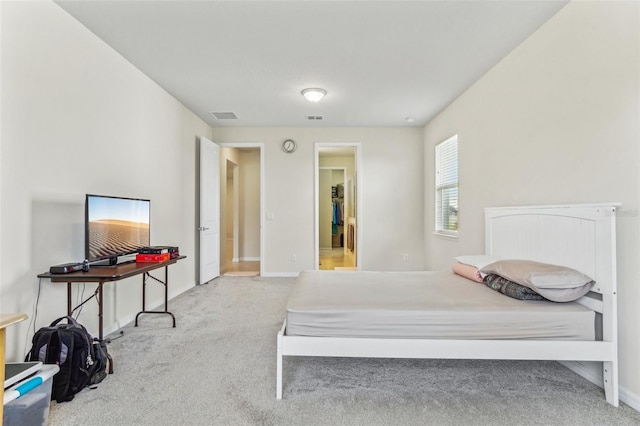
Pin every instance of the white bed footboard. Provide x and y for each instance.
(579, 236)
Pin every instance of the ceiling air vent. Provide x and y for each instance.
(315, 117)
(225, 115)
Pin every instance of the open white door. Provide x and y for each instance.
(209, 210)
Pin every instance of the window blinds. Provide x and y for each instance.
(447, 186)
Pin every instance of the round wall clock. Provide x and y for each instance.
(289, 146)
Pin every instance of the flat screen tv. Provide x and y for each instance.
(115, 226)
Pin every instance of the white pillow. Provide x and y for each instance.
(536, 274)
(554, 282)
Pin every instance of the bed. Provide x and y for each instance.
(391, 315)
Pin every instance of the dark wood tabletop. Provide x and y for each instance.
(109, 273)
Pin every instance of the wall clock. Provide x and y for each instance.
(289, 146)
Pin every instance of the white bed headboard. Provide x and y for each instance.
(582, 237)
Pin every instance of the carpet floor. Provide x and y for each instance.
(218, 368)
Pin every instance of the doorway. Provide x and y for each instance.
(241, 189)
(337, 213)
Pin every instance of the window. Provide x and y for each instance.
(447, 187)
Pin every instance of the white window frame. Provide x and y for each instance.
(447, 167)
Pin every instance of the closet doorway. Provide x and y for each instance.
(241, 189)
(337, 210)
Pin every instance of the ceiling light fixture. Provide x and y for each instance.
(314, 95)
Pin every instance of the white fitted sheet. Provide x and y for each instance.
(425, 305)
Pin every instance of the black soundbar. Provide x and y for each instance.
(65, 268)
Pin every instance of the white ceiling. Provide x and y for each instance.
(380, 61)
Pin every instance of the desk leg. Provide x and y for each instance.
(144, 292)
(69, 310)
(100, 285)
(165, 283)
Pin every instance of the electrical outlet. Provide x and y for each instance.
(405, 257)
(294, 258)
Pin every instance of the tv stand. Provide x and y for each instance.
(105, 274)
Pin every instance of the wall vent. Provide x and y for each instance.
(315, 117)
(224, 115)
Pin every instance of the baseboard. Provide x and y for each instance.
(129, 319)
(593, 373)
(118, 325)
(629, 398)
(151, 306)
(280, 274)
(245, 259)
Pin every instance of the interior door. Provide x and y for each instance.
(209, 210)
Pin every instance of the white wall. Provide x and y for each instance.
(249, 227)
(78, 118)
(392, 194)
(227, 155)
(229, 200)
(557, 121)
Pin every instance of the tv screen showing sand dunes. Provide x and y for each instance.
(116, 226)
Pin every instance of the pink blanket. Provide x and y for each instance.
(467, 271)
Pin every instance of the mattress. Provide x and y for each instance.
(424, 305)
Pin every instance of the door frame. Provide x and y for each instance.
(358, 199)
(259, 145)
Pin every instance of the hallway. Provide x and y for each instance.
(239, 269)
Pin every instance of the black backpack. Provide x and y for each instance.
(103, 363)
(73, 349)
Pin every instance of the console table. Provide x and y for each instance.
(104, 274)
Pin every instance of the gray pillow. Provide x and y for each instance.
(554, 282)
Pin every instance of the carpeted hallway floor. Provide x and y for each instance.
(218, 368)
